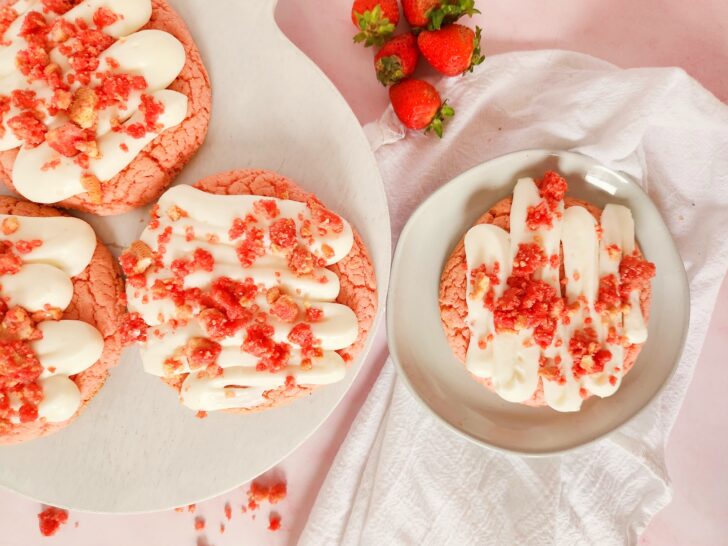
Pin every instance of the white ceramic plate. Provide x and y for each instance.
(418, 344)
(135, 448)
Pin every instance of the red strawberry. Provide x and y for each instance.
(418, 105)
(451, 50)
(397, 60)
(433, 13)
(376, 20)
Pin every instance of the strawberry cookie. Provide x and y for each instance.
(60, 308)
(102, 102)
(246, 292)
(546, 299)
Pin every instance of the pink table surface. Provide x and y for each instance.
(693, 35)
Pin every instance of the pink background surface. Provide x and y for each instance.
(693, 35)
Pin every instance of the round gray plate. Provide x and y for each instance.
(418, 344)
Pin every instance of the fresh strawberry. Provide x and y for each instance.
(397, 60)
(433, 13)
(452, 50)
(418, 105)
(375, 19)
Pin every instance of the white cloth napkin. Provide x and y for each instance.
(400, 477)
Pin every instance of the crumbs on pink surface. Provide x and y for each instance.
(51, 519)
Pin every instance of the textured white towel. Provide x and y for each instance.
(400, 476)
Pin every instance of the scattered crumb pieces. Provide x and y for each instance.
(199, 523)
(51, 519)
(201, 414)
(179, 509)
(259, 493)
(274, 522)
(228, 511)
(222, 528)
(191, 508)
(278, 492)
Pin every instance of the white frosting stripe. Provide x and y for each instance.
(213, 214)
(337, 330)
(68, 347)
(580, 247)
(68, 243)
(485, 245)
(244, 387)
(37, 285)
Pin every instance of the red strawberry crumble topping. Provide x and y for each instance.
(51, 519)
(283, 233)
(274, 522)
(28, 128)
(635, 273)
(552, 188)
(133, 329)
(482, 282)
(314, 314)
(609, 300)
(588, 355)
(104, 17)
(529, 258)
(152, 109)
(539, 216)
(267, 208)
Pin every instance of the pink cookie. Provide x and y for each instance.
(453, 306)
(98, 299)
(153, 170)
(356, 271)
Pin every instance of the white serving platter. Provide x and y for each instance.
(418, 345)
(135, 448)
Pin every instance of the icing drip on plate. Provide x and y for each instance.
(234, 295)
(555, 301)
(41, 352)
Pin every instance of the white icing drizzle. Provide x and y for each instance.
(156, 55)
(67, 347)
(240, 385)
(511, 360)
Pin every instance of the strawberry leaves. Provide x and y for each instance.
(450, 12)
(375, 27)
(443, 114)
(477, 57)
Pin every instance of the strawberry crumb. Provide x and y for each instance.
(274, 522)
(103, 17)
(51, 519)
(28, 128)
(152, 109)
(228, 511)
(199, 523)
(133, 329)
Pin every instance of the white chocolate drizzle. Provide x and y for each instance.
(210, 217)
(67, 347)
(511, 360)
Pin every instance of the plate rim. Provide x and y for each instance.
(395, 272)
